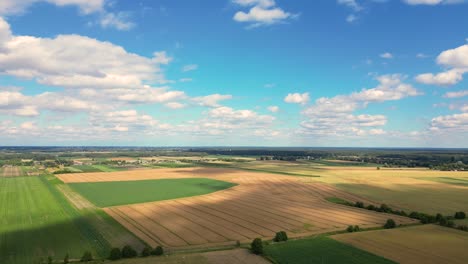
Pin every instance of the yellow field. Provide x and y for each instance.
(429, 244)
(259, 206)
(408, 189)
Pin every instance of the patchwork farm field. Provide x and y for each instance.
(259, 206)
(420, 189)
(37, 222)
(428, 244)
(320, 250)
(105, 194)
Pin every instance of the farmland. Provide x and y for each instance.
(11, 171)
(37, 223)
(105, 194)
(420, 244)
(321, 250)
(412, 189)
(260, 205)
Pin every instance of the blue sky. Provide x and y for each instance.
(234, 72)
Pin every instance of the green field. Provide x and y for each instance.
(37, 221)
(320, 250)
(105, 194)
(86, 168)
(106, 168)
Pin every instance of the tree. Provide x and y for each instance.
(390, 224)
(257, 246)
(356, 228)
(128, 252)
(359, 204)
(438, 217)
(238, 243)
(281, 236)
(87, 256)
(66, 259)
(384, 208)
(115, 254)
(350, 229)
(50, 260)
(370, 207)
(146, 252)
(460, 215)
(158, 251)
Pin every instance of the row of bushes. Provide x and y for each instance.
(257, 244)
(129, 252)
(446, 221)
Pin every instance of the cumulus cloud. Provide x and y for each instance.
(211, 100)
(261, 13)
(457, 94)
(450, 123)
(297, 98)
(454, 59)
(53, 61)
(335, 116)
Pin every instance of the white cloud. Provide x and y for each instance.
(353, 4)
(457, 94)
(14, 7)
(273, 109)
(190, 67)
(297, 98)
(183, 80)
(53, 61)
(351, 18)
(431, 2)
(421, 56)
(386, 55)
(455, 122)
(262, 12)
(455, 59)
(116, 20)
(211, 100)
(334, 116)
(174, 105)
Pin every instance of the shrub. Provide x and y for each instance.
(350, 229)
(281, 236)
(370, 207)
(238, 244)
(87, 256)
(463, 227)
(257, 246)
(115, 254)
(157, 251)
(356, 228)
(359, 204)
(438, 217)
(50, 260)
(460, 215)
(450, 223)
(128, 252)
(66, 259)
(146, 252)
(415, 215)
(384, 208)
(390, 224)
(443, 221)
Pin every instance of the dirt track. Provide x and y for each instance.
(261, 205)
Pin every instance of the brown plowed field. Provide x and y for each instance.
(11, 171)
(259, 206)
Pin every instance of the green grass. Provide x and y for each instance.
(337, 200)
(87, 168)
(173, 165)
(107, 168)
(320, 250)
(105, 194)
(36, 221)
